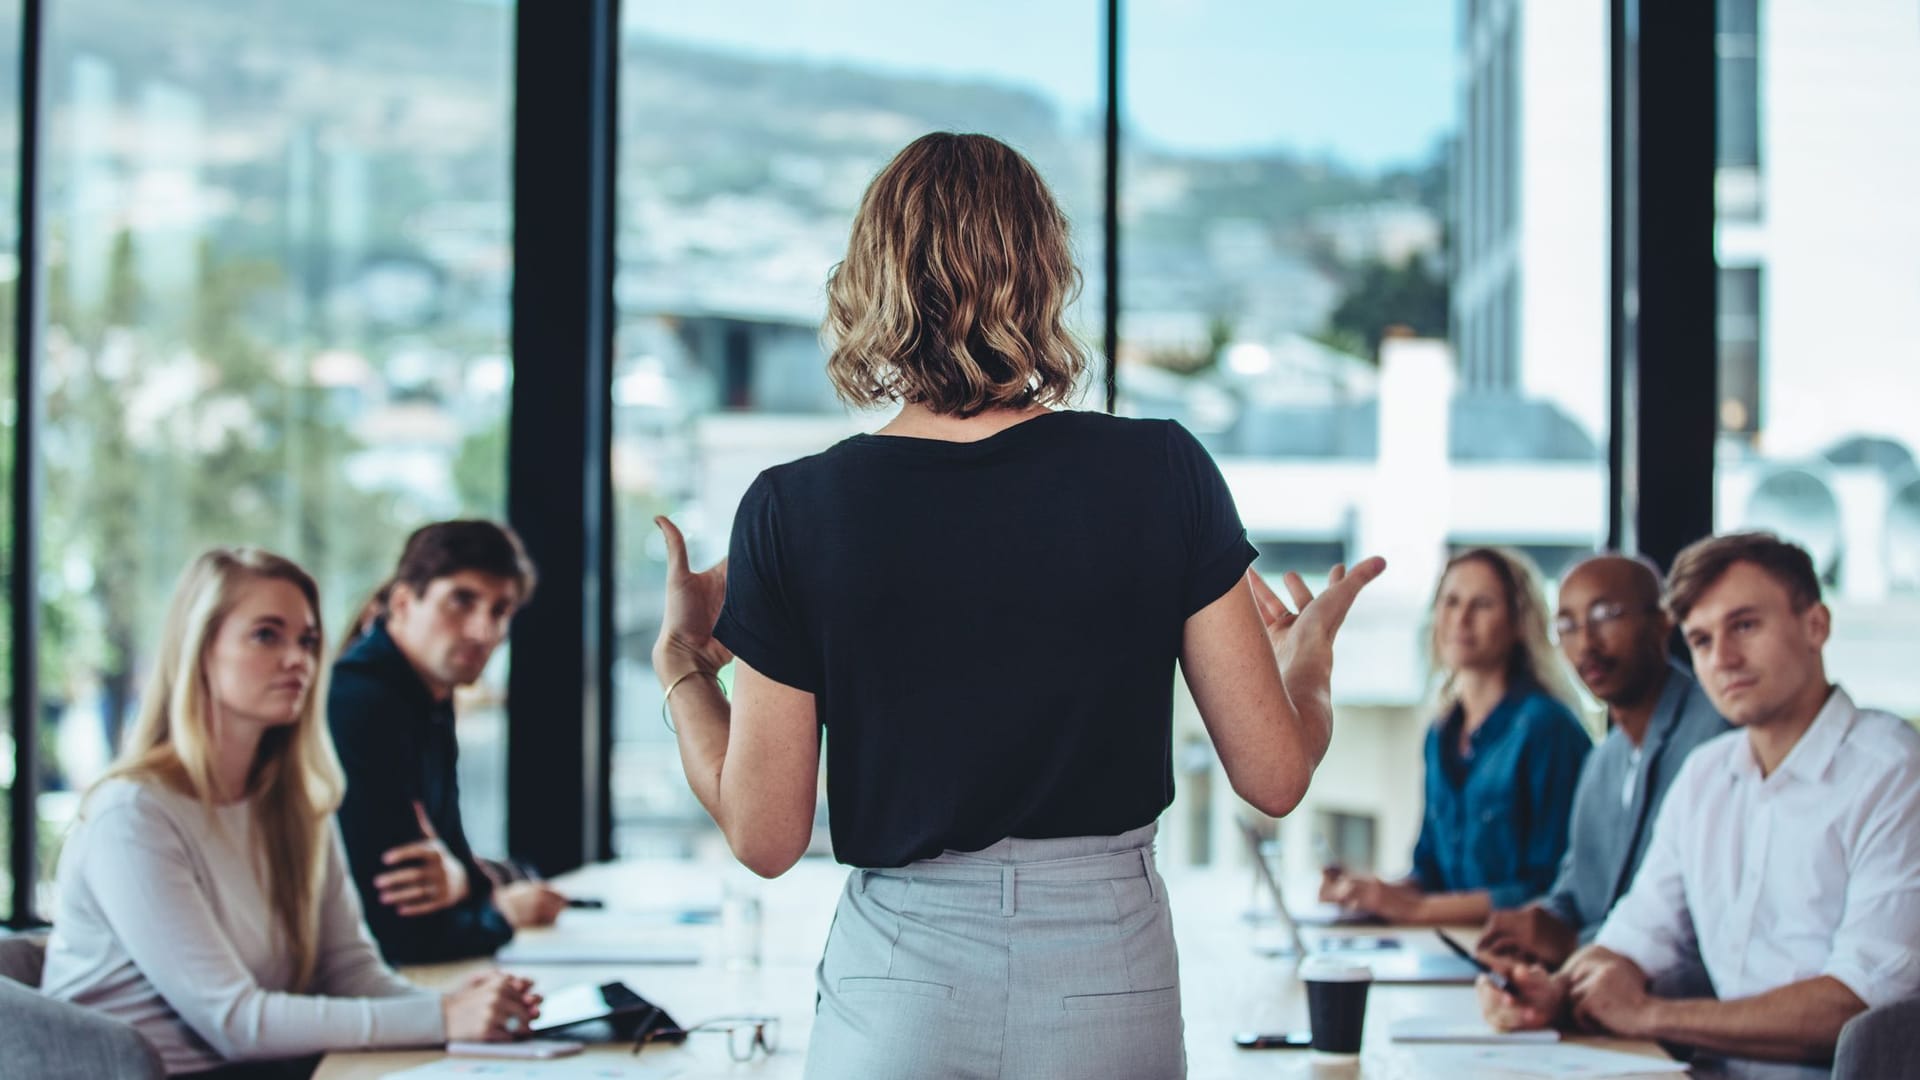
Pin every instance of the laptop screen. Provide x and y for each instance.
(1256, 846)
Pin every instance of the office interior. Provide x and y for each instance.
(1565, 276)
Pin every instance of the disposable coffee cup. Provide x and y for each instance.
(1336, 1003)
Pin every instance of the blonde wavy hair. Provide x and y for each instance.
(295, 784)
(957, 276)
(1534, 658)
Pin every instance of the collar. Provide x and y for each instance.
(1813, 754)
(1497, 722)
(381, 657)
(1667, 710)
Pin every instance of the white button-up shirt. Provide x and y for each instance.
(1814, 870)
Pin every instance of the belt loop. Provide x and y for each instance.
(1006, 891)
(860, 882)
(1146, 867)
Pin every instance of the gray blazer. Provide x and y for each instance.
(1608, 837)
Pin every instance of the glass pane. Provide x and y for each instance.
(750, 129)
(1739, 330)
(1738, 101)
(1737, 140)
(10, 16)
(1739, 17)
(1365, 261)
(1816, 310)
(279, 259)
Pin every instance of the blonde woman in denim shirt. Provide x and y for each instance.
(1502, 759)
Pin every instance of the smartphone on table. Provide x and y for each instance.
(1292, 1040)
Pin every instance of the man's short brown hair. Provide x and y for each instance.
(446, 548)
(1705, 562)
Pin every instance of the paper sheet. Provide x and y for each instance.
(576, 1068)
(1561, 1061)
(1470, 1029)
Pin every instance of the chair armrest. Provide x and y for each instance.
(58, 1040)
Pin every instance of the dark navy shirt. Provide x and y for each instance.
(989, 628)
(1496, 819)
(396, 745)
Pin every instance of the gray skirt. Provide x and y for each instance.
(1031, 958)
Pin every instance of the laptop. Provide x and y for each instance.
(1402, 966)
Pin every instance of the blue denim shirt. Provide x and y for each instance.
(1497, 818)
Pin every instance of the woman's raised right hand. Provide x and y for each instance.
(491, 1006)
(686, 642)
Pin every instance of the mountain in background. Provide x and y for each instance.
(738, 173)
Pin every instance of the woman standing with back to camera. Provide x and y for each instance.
(984, 602)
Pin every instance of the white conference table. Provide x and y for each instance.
(1226, 985)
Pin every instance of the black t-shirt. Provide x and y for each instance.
(989, 628)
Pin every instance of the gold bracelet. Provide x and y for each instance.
(666, 717)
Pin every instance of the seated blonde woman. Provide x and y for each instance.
(1503, 757)
(204, 898)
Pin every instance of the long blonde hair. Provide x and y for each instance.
(1533, 658)
(295, 783)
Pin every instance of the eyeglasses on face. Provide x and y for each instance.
(1603, 614)
(746, 1035)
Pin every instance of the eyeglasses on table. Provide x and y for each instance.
(746, 1035)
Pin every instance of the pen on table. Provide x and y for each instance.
(1499, 980)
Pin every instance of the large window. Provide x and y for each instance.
(1737, 142)
(749, 130)
(1365, 261)
(1819, 437)
(278, 273)
(1363, 258)
(10, 271)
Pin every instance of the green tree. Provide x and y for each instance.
(1379, 295)
(480, 471)
(160, 447)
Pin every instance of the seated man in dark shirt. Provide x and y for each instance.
(429, 630)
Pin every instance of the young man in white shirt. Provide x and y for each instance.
(1788, 851)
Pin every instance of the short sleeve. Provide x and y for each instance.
(758, 621)
(1217, 549)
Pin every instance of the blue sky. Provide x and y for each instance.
(1367, 81)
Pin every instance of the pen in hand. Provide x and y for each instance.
(1505, 984)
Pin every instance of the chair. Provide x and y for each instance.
(1879, 1042)
(57, 1040)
